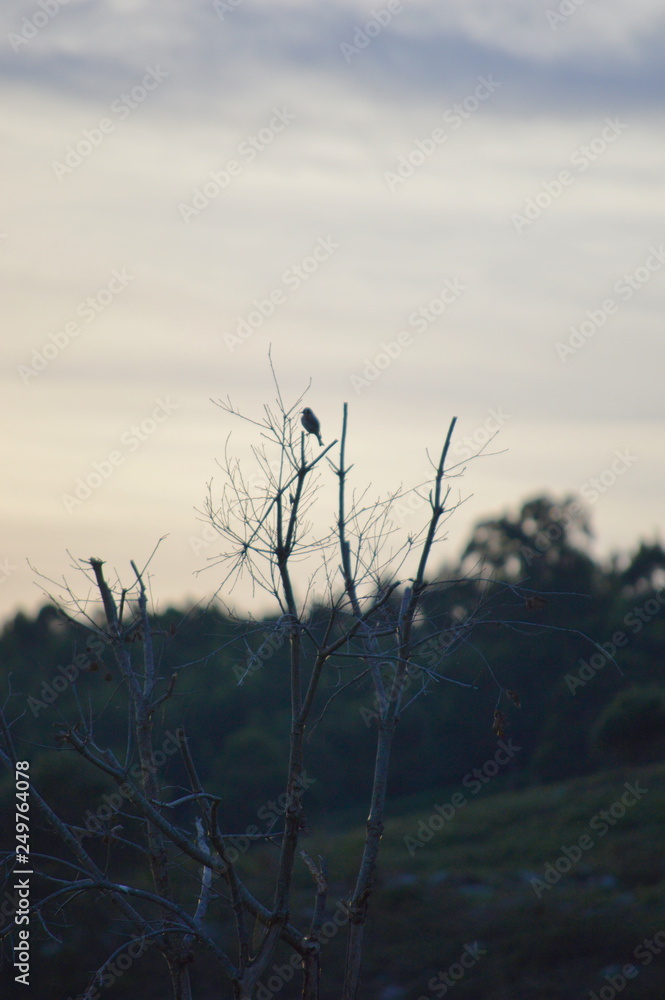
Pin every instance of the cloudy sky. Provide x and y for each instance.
(427, 208)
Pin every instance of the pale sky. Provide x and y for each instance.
(475, 187)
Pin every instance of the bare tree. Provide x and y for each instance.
(365, 629)
(368, 583)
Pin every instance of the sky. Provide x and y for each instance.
(422, 209)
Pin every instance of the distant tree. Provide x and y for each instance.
(646, 569)
(543, 544)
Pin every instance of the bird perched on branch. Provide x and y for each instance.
(311, 424)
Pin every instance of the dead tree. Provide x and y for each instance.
(373, 609)
(369, 583)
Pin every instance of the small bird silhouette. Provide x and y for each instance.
(311, 423)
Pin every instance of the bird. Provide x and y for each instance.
(311, 424)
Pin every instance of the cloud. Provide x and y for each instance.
(605, 55)
(355, 120)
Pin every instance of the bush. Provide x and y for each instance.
(631, 729)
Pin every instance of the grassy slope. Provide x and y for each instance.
(472, 882)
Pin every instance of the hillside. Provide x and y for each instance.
(490, 878)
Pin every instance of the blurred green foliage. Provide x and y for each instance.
(578, 715)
